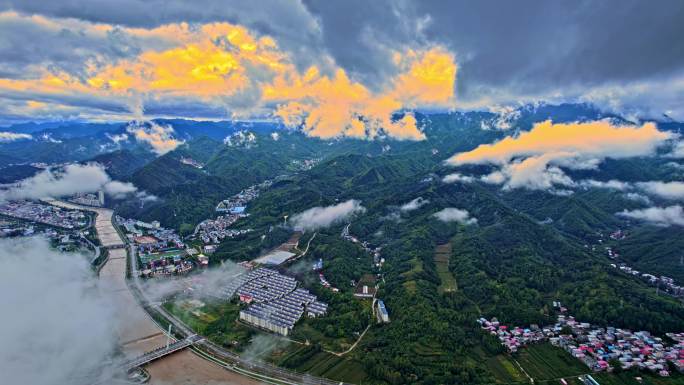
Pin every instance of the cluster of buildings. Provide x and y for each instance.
(274, 302)
(150, 237)
(44, 213)
(15, 229)
(325, 283)
(597, 347)
(89, 199)
(318, 267)
(237, 203)
(514, 338)
(618, 235)
(191, 162)
(378, 261)
(304, 165)
(167, 265)
(215, 230)
(665, 283)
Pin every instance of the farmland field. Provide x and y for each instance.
(442, 255)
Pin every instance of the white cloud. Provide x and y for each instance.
(456, 177)
(119, 189)
(414, 204)
(496, 177)
(320, 217)
(534, 159)
(451, 214)
(72, 179)
(535, 173)
(506, 117)
(159, 137)
(117, 138)
(6, 136)
(677, 151)
(660, 216)
(638, 198)
(612, 184)
(667, 190)
(675, 165)
(241, 138)
(58, 326)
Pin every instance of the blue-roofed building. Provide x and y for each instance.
(237, 210)
(383, 315)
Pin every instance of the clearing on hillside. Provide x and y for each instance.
(442, 254)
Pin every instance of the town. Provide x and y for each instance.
(161, 251)
(600, 348)
(213, 231)
(662, 282)
(275, 302)
(45, 214)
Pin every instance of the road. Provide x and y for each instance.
(139, 333)
(136, 331)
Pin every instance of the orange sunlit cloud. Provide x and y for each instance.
(597, 139)
(228, 66)
(534, 159)
(333, 106)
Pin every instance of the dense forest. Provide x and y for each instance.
(525, 250)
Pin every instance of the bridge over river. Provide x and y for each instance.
(144, 342)
(137, 332)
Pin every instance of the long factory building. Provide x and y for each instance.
(275, 302)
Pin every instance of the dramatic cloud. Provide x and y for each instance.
(534, 159)
(667, 190)
(336, 106)
(12, 136)
(451, 214)
(589, 140)
(414, 204)
(660, 216)
(507, 53)
(74, 178)
(58, 326)
(159, 137)
(227, 67)
(320, 217)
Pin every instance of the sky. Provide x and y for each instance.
(334, 67)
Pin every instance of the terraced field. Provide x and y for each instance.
(334, 367)
(546, 362)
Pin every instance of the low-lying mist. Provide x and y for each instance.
(57, 324)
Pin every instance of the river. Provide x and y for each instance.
(136, 331)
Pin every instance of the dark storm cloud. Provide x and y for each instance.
(25, 43)
(288, 21)
(624, 55)
(527, 46)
